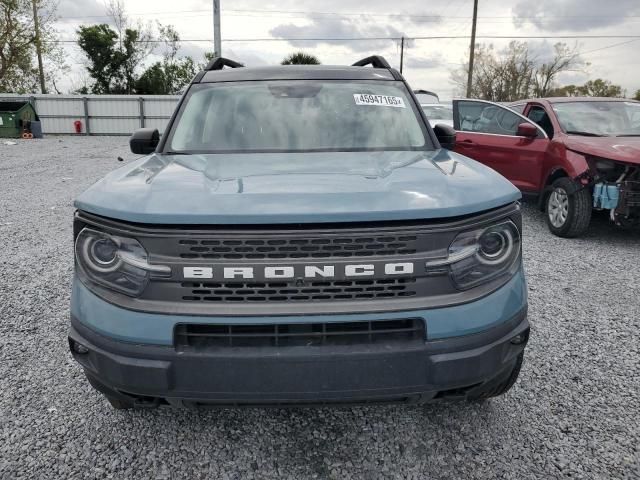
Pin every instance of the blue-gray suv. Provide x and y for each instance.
(298, 235)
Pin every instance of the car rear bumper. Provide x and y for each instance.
(153, 374)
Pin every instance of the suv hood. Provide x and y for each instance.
(622, 149)
(297, 188)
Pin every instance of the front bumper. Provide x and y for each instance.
(153, 375)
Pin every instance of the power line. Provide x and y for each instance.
(609, 46)
(431, 37)
(438, 17)
(436, 20)
(358, 39)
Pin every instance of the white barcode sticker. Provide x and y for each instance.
(378, 100)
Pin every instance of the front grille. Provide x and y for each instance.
(196, 337)
(298, 269)
(321, 246)
(292, 292)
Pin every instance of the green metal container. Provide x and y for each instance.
(15, 118)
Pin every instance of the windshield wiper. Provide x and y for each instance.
(629, 135)
(584, 134)
(175, 153)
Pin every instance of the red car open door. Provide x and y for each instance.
(502, 139)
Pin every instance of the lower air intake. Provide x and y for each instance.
(197, 338)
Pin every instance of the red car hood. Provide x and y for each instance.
(622, 149)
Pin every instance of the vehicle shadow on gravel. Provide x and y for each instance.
(327, 442)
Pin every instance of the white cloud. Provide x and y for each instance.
(339, 27)
(573, 15)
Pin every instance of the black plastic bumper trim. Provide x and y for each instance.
(265, 375)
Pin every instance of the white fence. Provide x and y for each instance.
(100, 114)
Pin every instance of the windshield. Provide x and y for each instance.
(599, 118)
(441, 112)
(289, 116)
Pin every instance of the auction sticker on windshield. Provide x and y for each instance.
(378, 100)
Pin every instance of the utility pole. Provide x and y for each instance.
(401, 53)
(37, 41)
(472, 47)
(217, 47)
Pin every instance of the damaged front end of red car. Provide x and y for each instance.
(616, 188)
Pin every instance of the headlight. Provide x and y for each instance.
(115, 262)
(479, 256)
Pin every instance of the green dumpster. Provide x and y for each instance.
(15, 118)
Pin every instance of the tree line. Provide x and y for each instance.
(115, 53)
(116, 58)
(516, 73)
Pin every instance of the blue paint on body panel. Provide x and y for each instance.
(278, 188)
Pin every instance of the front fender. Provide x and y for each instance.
(575, 167)
(577, 164)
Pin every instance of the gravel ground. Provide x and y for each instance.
(573, 413)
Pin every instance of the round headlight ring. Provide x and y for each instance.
(502, 239)
(104, 251)
(96, 259)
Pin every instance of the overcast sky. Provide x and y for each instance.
(427, 62)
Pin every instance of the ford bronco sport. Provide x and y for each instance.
(298, 235)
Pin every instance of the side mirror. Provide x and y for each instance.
(527, 130)
(144, 140)
(446, 135)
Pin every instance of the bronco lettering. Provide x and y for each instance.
(300, 271)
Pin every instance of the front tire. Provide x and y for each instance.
(568, 208)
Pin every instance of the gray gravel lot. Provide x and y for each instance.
(574, 412)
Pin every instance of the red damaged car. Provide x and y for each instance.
(573, 154)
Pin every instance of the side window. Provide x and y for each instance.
(483, 117)
(540, 116)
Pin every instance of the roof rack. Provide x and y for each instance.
(376, 61)
(426, 92)
(219, 63)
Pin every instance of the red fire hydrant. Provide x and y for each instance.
(78, 126)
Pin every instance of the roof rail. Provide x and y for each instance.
(219, 63)
(376, 61)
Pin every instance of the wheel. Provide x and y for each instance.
(502, 384)
(119, 404)
(568, 208)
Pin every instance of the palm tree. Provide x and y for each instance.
(300, 58)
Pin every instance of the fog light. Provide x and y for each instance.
(79, 348)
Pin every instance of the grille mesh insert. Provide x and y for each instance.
(290, 292)
(297, 247)
(196, 337)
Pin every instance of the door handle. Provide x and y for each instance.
(466, 143)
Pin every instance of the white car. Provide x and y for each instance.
(436, 112)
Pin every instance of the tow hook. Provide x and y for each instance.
(147, 402)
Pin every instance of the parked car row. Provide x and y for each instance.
(572, 155)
